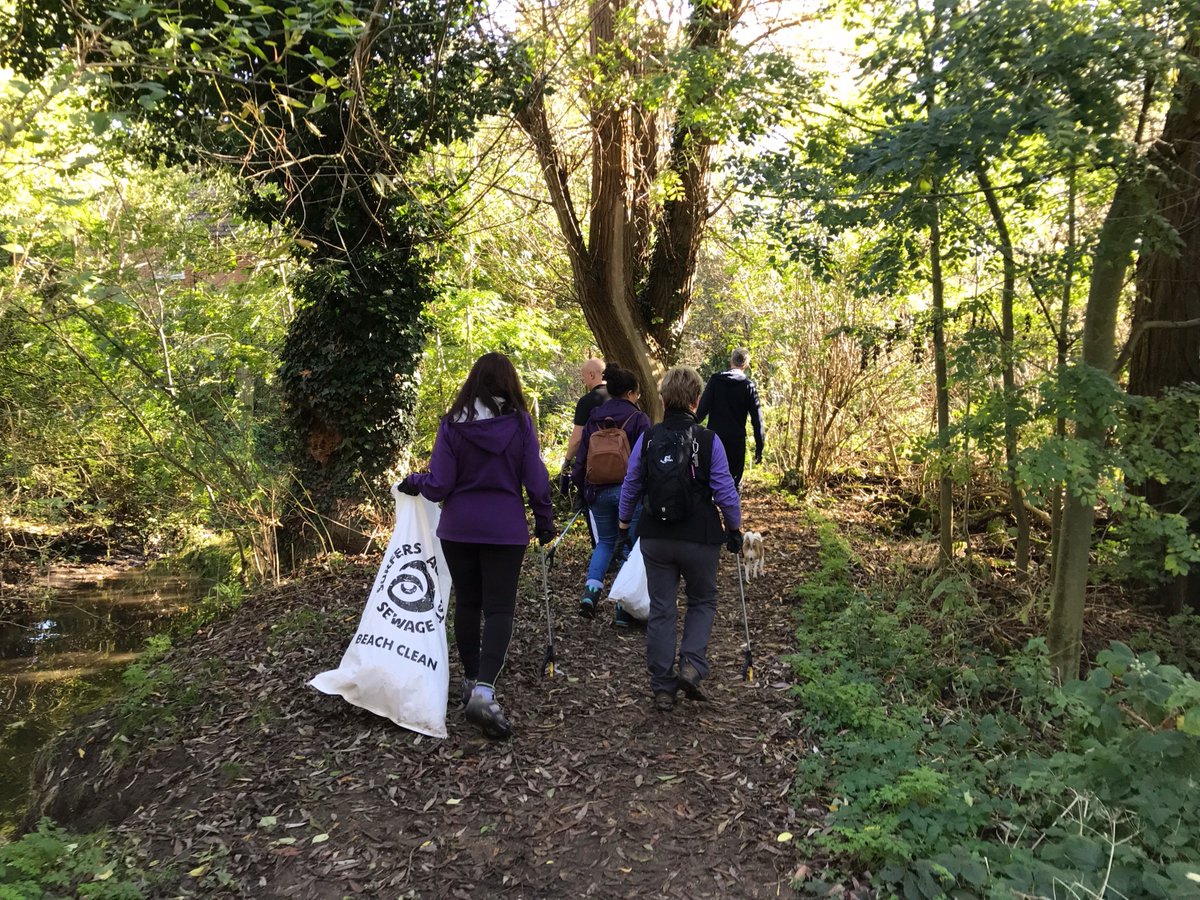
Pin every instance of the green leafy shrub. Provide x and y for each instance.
(1178, 643)
(217, 604)
(949, 771)
(151, 695)
(50, 863)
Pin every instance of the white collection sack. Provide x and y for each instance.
(629, 587)
(397, 666)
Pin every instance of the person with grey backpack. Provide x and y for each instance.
(679, 473)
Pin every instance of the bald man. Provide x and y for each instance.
(592, 375)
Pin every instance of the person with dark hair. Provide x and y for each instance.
(485, 452)
(678, 470)
(728, 399)
(612, 429)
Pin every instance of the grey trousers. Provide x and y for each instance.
(666, 561)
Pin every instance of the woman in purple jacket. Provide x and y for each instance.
(486, 450)
(602, 499)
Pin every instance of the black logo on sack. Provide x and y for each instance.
(413, 588)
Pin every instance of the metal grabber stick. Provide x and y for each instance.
(748, 667)
(548, 662)
(559, 539)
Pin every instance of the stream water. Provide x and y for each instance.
(65, 655)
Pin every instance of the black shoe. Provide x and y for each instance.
(623, 619)
(664, 701)
(689, 682)
(591, 599)
(488, 717)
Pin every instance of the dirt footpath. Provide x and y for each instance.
(251, 784)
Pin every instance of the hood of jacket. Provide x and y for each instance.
(491, 435)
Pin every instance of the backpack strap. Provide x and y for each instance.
(691, 433)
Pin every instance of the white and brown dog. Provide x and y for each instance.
(752, 554)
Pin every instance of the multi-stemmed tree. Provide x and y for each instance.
(658, 99)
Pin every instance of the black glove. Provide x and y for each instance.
(565, 486)
(758, 456)
(545, 534)
(579, 504)
(624, 539)
(407, 487)
(733, 541)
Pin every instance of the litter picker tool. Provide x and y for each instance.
(548, 662)
(748, 668)
(549, 554)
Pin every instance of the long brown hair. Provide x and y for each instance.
(492, 377)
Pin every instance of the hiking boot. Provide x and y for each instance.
(689, 682)
(465, 688)
(664, 701)
(589, 603)
(488, 717)
(623, 619)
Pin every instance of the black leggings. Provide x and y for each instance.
(485, 585)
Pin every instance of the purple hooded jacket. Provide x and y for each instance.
(624, 414)
(478, 468)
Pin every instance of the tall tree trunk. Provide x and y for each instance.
(1062, 344)
(938, 288)
(1016, 497)
(1114, 249)
(941, 383)
(613, 321)
(1168, 291)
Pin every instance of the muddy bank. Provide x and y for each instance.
(29, 553)
(226, 769)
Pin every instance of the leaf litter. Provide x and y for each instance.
(262, 787)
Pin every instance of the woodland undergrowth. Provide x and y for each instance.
(951, 768)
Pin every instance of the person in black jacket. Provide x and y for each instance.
(592, 374)
(728, 398)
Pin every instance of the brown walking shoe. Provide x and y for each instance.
(689, 682)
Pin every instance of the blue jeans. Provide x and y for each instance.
(604, 512)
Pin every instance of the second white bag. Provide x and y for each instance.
(397, 665)
(629, 588)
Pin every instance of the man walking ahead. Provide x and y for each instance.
(728, 398)
(591, 373)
